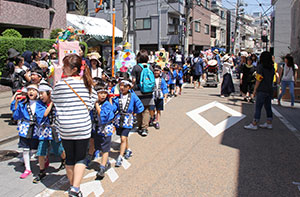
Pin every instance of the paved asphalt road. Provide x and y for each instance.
(182, 159)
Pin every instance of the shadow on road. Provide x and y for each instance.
(269, 159)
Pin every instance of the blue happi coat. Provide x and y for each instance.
(179, 76)
(45, 129)
(21, 114)
(172, 78)
(105, 125)
(135, 106)
(163, 88)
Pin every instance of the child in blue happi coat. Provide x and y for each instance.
(178, 74)
(126, 104)
(103, 128)
(172, 80)
(160, 94)
(48, 134)
(28, 113)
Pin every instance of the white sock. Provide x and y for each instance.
(26, 157)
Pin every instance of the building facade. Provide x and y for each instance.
(200, 19)
(282, 28)
(146, 30)
(33, 18)
(218, 25)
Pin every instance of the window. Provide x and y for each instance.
(143, 24)
(206, 29)
(71, 6)
(191, 27)
(173, 24)
(197, 26)
(222, 15)
(213, 31)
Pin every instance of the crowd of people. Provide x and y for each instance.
(79, 115)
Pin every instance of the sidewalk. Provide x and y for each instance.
(7, 132)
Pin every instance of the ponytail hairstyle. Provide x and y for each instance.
(75, 61)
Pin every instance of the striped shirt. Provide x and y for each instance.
(73, 118)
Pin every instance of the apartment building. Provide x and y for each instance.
(33, 18)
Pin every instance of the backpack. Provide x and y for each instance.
(147, 80)
(18, 81)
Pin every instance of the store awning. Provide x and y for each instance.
(96, 27)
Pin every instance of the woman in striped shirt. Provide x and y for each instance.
(73, 98)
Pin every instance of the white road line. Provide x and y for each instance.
(92, 187)
(125, 164)
(215, 130)
(112, 174)
(286, 123)
(92, 174)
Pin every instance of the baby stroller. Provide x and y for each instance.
(211, 71)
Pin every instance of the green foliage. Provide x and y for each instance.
(38, 44)
(5, 44)
(11, 33)
(86, 47)
(21, 45)
(54, 33)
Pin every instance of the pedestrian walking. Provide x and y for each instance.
(47, 134)
(160, 96)
(29, 112)
(227, 86)
(126, 105)
(288, 76)
(263, 91)
(247, 80)
(74, 93)
(103, 128)
(198, 69)
(144, 82)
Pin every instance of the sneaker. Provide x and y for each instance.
(266, 126)
(157, 126)
(144, 132)
(251, 127)
(151, 123)
(25, 174)
(107, 166)
(119, 161)
(222, 96)
(101, 172)
(39, 177)
(74, 194)
(128, 153)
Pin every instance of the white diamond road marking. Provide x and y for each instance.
(215, 130)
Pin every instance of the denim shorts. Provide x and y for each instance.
(102, 143)
(44, 147)
(159, 105)
(123, 132)
(28, 143)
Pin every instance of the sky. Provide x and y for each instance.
(253, 5)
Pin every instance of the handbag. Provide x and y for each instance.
(77, 95)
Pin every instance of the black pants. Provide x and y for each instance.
(75, 151)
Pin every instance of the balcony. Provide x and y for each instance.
(38, 3)
(176, 6)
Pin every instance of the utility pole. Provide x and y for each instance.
(236, 45)
(125, 21)
(187, 26)
(159, 24)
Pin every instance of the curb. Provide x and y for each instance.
(8, 139)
